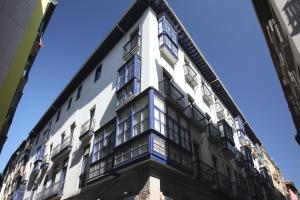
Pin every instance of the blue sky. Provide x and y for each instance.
(228, 34)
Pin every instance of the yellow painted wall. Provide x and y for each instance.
(9, 86)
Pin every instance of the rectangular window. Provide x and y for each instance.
(98, 73)
(85, 159)
(159, 121)
(173, 131)
(174, 154)
(215, 163)
(58, 115)
(69, 103)
(139, 147)
(184, 134)
(185, 138)
(104, 143)
(37, 139)
(125, 93)
(100, 168)
(121, 156)
(140, 121)
(128, 71)
(159, 145)
(78, 92)
(84, 167)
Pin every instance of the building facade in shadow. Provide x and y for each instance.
(280, 23)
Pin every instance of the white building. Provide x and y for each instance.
(146, 117)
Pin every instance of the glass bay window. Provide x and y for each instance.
(128, 82)
(167, 37)
(104, 143)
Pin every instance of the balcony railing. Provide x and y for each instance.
(231, 123)
(87, 128)
(190, 75)
(100, 168)
(45, 161)
(207, 95)
(206, 172)
(132, 47)
(244, 141)
(219, 111)
(229, 150)
(64, 146)
(54, 190)
(168, 48)
(36, 168)
(168, 89)
(214, 135)
(136, 151)
(239, 158)
(222, 183)
(196, 115)
(240, 190)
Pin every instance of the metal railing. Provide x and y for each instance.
(190, 75)
(100, 168)
(219, 111)
(55, 189)
(132, 47)
(122, 157)
(64, 144)
(229, 149)
(206, 172)
(213, 133)
(87, 126)
(45, 160)
(159, 149)
(222, 182)
(195, 114)
(239, 157)
(207, 95)
(167, 88)
(136, 151)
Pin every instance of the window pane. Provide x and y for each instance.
(160, 27)
(159, 145)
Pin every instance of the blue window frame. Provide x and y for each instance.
(129, 71)
(164, 27)
(226, 131)
(124, 130)
(128, 82)
(104, 143)
(140, 121)
(173, 130)
(160, 121)
(167, 35)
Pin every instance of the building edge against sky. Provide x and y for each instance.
(162, 118)
(23, 24)
(280, 23)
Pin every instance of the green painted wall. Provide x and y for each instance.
(10, 84)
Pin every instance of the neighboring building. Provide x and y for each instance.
(271, 172)
(22, 23)
(146, 117)
(14, 175)
(292, 190)
(280, 23)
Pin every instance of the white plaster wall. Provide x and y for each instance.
(100, 94)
